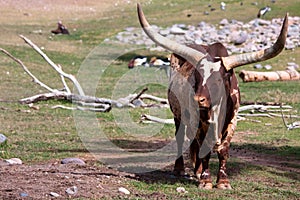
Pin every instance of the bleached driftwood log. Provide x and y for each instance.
(254, 76)
(148, 118)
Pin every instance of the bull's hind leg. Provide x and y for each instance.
(180, 132)
(201, 165)
(194, 155)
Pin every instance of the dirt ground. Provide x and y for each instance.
(92, 180)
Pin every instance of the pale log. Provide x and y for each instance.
(254, 76)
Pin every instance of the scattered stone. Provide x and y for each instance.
(124, 190)
(77, 161)
(54, 194)
(294, 65)
(236, 36)
(164, 32)
(181, 190)
(3, 138)
(268, 67)
(23, 194)
(14, 161)
(263, 22)
(239, 37)
(258, 66)
(224, 22)
(72, 190)
(177, 31)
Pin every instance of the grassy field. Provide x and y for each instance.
(45, 134)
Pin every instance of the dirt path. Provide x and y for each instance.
(94, 181)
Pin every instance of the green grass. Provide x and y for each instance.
(50, 134)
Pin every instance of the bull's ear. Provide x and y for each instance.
(233, 61)
(191, 55)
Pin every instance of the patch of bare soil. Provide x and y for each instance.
(39, 181)
(261, 158)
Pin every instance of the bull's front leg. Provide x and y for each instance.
(201, 165)
(179, 134)
(223, 155)
(222, 178)
(205, 181)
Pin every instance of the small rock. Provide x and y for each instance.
(54, 194)
(268, 67)
(263, 22)
(77, 161)
(23, 194)
(72, 190)
(2, 138)
(181, 190)
(258, 66)
(224, 22)
(164, 32)
(293, 65)
(14, 161)
(239, 38)
(123, 190)
(177, 31)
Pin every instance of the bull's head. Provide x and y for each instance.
(211, 66)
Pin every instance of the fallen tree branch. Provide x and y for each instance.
(263, 108)
(254, 76)
(139, 94)
(154, 98)
(255, 115)
(54, 66)
(63, 80)
(104, 109)
(240, 118)
(149, 118)
(261, 103)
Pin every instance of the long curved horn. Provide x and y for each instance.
(233, 61)
(191, 55)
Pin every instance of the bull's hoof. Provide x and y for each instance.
(224, 186)
(203, 185)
